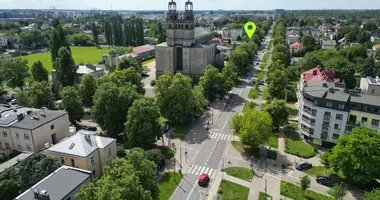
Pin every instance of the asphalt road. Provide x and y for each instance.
(209, 158)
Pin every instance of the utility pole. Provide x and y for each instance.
(180, 155)
(265, 187)
(222, 167)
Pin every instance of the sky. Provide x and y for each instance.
(198, 4)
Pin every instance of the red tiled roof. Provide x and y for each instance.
(318, 74)
(143, 48)
(296, 44)
(217, 39)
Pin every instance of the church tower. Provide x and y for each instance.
(180, 26)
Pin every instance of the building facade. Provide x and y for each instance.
(188, 49)
(86, 151)
(28, 129)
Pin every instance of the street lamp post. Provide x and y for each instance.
(222, 167)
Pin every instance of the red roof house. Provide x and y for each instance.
(318, 74)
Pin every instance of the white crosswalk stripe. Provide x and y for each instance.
(198, 170)
(220, 136)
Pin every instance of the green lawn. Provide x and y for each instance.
(249, 106)
(265, 57)
(260, 75)
(247, 151)
(240, 172)
(265, 94)
(178, 131)
(148, 61)
(317, 171)
(273, 141)
(167, 184)
(293, 112)
(84, 55)
(253, 93)
(294, 144)
(233, 191)
(262, 196)
(295, 192)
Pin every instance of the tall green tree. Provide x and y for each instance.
(58, 40)
(95, 34)
(108, 32)
(305, 182)
(278, 111)
(39, 72)
(65, 68)
(142, 127)
(373, 195)
(87, 89)
(111, 104)
(277, 83)
(124, 77)
(356, 155)
(15, 71)
(72, 103)
(240, 61)
(41, 95)
(127, 62)
(161, 34)
(309, 43)
(126, 34)
(177, 101)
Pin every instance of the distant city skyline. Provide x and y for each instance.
(198, 4)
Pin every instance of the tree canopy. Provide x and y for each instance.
(39, 73)
(72, 103)
(65, 67)
(124, 77)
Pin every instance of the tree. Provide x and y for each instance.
(39, 73)
(277, 83)
(211, 82)
(344, 70)
(58, 40)
(308, 42)
(237, 123)
(131, 178)
(357, 161)
(40, 95)
(338, 191)
(127, 62)
(305, 182)
(65, 68)
(373, 195)
(111, 104)
(156, 156)
(15, 71)
(142, 126)
(161, 34)
(108, 32)
(32, 38)
(240, 61)
(280, 57)
(124, 77)
(81, 39)
(95, 34)
(256, 128)
(177, 101)
(356, 51)
(72, 103)
(378, 54)
(87, 89)
(278, 111)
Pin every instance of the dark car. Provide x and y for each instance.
(323, 180)
(203, 180)
(303, 165)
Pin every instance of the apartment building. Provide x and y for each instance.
(232, 34)
(29, 129)
(85, 150)
(327, 111)
(62, 184)
(370, 85)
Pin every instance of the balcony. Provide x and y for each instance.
(326, 117)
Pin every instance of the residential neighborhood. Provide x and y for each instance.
(185, 104)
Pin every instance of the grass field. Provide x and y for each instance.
(265, 94)
(262, 196)
(255, 152)
(295, 192)
(167, 184)
(294, 143)
(249, 106)
(85, 55)
(253, 93)
(240, 172)
(178, 131)
(233, 191)
(317, 171)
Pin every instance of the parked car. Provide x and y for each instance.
(203, 180)
(323, 180)
(255, 79)
(303, 165)
(14, 102)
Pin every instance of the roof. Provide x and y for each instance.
(38, 118)
(296, 44)
(83, 69)
(128, 54)
(8, 115)
(143, 48)
(78, 145)
(329, 42)
(12, 162)
(318, 74)
(59, 183)
(376, 46)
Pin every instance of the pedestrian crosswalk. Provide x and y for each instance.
(269, 169)
(220, 136)
(198, 170)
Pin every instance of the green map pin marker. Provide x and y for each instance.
(250, 28)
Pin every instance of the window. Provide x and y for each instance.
(337, 126)
(329, 104)
(19, 146)
(375, 122)
(17, 135)
(186, 26)
(5, 134)
(364, 119)
(52, 127)
(92, 161)
(341, 106)
(93, 172)
(7, 146)
(339, 116)
(170, 26)
(335, 136)
(62, 160)
(109, 152)
(28, 147)
(72, 163)
(328, 113)
(373, 91)
(324, 135)
(314, 112)
(26, 136)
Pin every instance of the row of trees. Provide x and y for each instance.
(128, 32)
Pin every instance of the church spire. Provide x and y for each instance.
(172, 6)
(189, 6)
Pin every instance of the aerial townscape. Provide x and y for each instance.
(189, 104)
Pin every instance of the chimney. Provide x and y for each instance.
(41, 195)
(91, 67)
(315, 72)
(87, 136)
(377, 78)
(72, 130)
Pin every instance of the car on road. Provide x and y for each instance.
(303, 165)
(255, 79)
(323, 180)
(203, 180)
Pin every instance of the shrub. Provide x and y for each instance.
(153, 83)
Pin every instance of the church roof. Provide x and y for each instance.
(200, 31)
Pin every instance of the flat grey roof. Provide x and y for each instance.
(9, 115)
(78, 145)
(12, 162)
(58, 184)
(31, 123)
